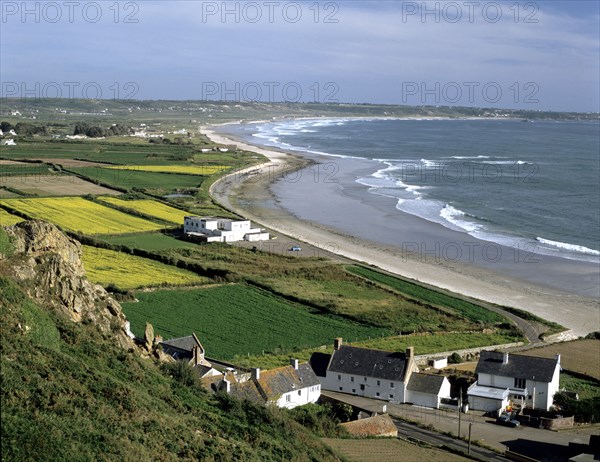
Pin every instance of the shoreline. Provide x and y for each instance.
(248, 192)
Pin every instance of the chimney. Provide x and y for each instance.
(294, 363)
(337, 343)
(410, 352)
(557, 358)
(505, 358)
(195, 356)
(256, 374)
(225, 386)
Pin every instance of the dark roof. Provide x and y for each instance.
(319, 363)
(370, 363)
(182, 343)
(518, 366)
(425, 383)
(182, 347)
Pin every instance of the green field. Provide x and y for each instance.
(130, 179)
(237, 319)
(150, 241)
(468, 310)
(423, 344)
(24, 169)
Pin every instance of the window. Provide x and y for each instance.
(288, 398)
(365, 379)
(354, 390)
(379, 383)
(339, 377)
(299, 392)
(377, 394)
(391, 384)
(362, 387)
(341, 388)
(351, 379)
(520, 383)
(391, 396)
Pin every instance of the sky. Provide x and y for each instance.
(542, 55)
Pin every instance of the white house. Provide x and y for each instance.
(427, 390)
(285, 387)
(9, 142)
(222, 229)
(502, 378)
(378, 374)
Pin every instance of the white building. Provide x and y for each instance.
(9, 142)
(501, 378)
(378, 374)
(222, 229)
(286, 387)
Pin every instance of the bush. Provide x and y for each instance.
(585, 410)
(321, 419)
(593, 335)
(455, 358)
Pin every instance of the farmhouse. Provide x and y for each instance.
(212, 229)
(384, 375)
(286, 387)
(191, 350)
(501, 377)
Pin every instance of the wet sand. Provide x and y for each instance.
(249, 193)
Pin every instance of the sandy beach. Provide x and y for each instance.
(248, 193)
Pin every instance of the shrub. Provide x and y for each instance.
(455, 358)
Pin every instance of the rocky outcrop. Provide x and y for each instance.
(48, 265)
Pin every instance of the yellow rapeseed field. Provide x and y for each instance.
(7, 219)
(184, 169)
(80, 215)
(126, 271)
(149, 207)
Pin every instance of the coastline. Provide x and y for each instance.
(248, 193)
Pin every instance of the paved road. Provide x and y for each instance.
(437, 439)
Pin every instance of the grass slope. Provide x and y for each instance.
(469, 310)
(68, 393)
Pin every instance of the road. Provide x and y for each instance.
(540, 444)
(411, 431)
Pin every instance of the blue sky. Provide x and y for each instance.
(535, 55)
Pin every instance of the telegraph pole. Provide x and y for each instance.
(469, 446)
(459, 410)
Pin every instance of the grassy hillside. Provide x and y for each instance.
(68, 393)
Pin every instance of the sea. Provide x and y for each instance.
(530, 183)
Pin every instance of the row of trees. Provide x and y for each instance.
(95, 131)
(24, 128)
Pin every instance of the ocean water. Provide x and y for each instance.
(531, 184)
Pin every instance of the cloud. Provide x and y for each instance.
(370, 51)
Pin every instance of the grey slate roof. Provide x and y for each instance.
(180, 348)
(319, 362)
(370, 363)
(425, 383)
(182, 343)
(519, 366)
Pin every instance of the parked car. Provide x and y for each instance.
(507, 421)
(295, 248)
